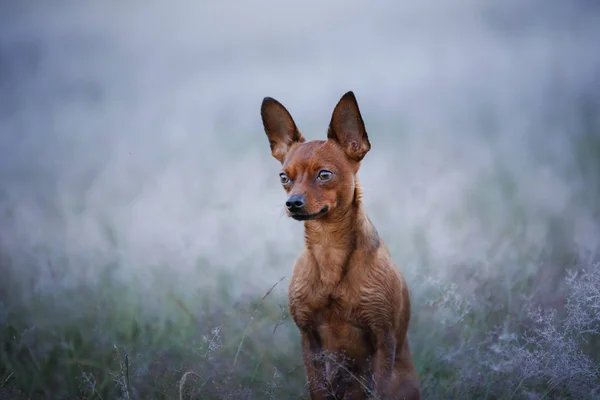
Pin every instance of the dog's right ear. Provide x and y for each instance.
(279, 127)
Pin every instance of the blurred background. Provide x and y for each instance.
(130, 130)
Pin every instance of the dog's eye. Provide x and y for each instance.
(324, 175)
(284, 178)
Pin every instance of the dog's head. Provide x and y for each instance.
(319, 176)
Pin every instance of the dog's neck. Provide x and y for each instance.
(332, 241)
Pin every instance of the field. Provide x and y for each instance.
(144, 252)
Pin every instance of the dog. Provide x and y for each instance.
(347, 298)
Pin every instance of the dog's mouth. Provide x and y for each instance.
(301, 216)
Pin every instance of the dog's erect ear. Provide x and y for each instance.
(279, 127)
(348, 129)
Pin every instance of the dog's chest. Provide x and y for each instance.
(312, 302)
(339, 329)
(333, 313)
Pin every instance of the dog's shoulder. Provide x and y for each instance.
(382, 289)
(301, 289)
(303, 269)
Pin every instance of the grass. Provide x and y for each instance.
(118, 350)
(114, 347)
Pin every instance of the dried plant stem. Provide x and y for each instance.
(124, 368)
(183, 380)
(252, 319)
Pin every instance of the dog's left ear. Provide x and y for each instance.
(348, 129)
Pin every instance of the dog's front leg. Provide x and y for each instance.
(311, 350)
(383, 362)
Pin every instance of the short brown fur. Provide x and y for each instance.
(347, 298)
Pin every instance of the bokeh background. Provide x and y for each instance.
(142, 233)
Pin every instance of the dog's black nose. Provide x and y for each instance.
(295, 203)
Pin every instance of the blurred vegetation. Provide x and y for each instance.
(521, 321)
(525, 332)
(493, 345)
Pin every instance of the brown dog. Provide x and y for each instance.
(347, 298)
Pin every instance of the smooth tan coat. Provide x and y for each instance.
(347, 298)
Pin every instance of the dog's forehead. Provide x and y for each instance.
(305, 153)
